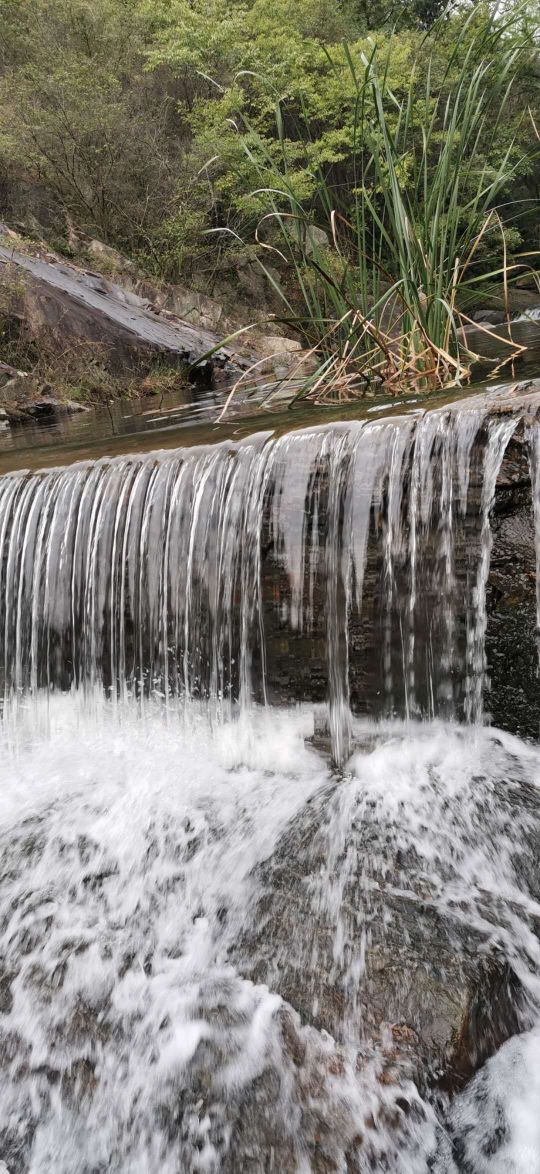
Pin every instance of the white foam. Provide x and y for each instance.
(130, 843)
(498, 1118)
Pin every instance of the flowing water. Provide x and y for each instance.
(243, 935)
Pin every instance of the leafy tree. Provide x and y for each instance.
(134, 119)
(411, 13)
(80, 119)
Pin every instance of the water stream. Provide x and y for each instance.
(270, 883)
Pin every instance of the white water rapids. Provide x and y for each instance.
(219, 952)
(130, 1041)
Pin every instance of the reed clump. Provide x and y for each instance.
(372, 278)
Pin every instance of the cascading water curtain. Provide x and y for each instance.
(171, 574)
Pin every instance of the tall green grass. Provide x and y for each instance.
(382, 296)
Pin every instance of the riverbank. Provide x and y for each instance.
(72, 337)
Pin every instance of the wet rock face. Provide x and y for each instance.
(103, 1030)
(511, 640)
(306, 1105)
(317, 1109)
(379, 942)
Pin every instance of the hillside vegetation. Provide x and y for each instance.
(192, 135)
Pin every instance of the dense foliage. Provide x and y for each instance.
(147, 122)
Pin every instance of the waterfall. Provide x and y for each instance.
(175, 574)
(221, 947)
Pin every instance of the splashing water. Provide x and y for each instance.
(135, 1032)
(532, 315)
(218, 952)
